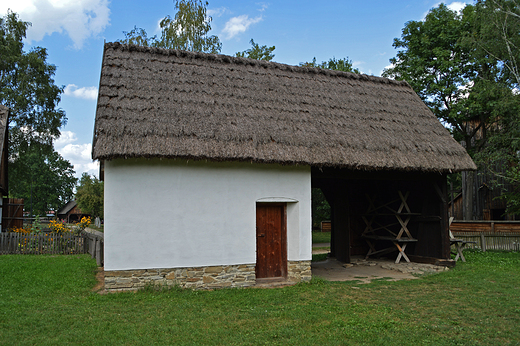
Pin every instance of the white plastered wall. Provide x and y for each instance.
(178, 213)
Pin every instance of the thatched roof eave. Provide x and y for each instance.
(175, 104)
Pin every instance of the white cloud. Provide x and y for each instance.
(216, 12)
(263, 6)
(80, 19)
(79, 155)
(457, 6)
(357, 63)
(386, 68)
(240, 24)
(66, 137)
(87, 93)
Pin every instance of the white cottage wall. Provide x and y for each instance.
(177, 213)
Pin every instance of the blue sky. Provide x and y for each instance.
(73, 31)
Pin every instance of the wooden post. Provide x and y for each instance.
(93, 249)
(482, 242)
(85, 243)
(98, 252)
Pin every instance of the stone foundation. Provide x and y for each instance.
(299, 271)
(242, 275)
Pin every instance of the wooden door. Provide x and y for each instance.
(271, 247)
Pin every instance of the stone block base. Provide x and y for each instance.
(299, 271)
(242, 275)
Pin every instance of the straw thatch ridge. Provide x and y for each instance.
(175, 104)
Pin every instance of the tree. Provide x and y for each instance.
(89, 195)
(27, 87)
(257, 52)
(456, 64)
(320, 208)
(340, 65)
(187, 31)
(436, 65)
(498, 24)
(44, 180)
(36, 172)
(495, 37)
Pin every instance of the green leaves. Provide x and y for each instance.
(465, 67)
(89, 195)
(340, 65)
(257, 52)
(42, 178)
(433, 62)
(27, 85)
(37, 173)
(187, 31)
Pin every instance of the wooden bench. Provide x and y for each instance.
(459, 246)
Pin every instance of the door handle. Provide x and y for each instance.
(261, 235)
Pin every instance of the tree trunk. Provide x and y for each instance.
(468, 194)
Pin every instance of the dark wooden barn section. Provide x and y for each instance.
(375, 205)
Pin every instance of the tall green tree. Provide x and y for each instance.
(432, 60)
(188, 30)
(496, 28)
(44, 180)
(27, 87)
(36, 171)
(89, 195)
(495, 39)
(458, 65)
(257, 52)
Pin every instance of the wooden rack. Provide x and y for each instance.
(377, 230)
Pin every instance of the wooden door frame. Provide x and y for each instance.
(283, 238)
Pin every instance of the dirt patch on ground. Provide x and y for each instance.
(100, 277)
(366, 271)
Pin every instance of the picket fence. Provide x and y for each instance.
(490, 241)
(52, 243)
(488, 235)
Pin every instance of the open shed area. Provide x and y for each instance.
(376, 213)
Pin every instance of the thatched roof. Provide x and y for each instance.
(175, 104)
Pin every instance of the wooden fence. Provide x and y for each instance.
(42, 243)
(489, 235)
(95, 245)
(53, 243)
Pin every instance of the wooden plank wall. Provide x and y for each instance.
(325, 226)
(12, 213)
(486, 226)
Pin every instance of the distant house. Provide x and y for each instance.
(209, 162)
(487, 202)
(482, 191)
(70, 212)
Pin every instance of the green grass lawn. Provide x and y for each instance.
(320, 237)
(47, 300)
